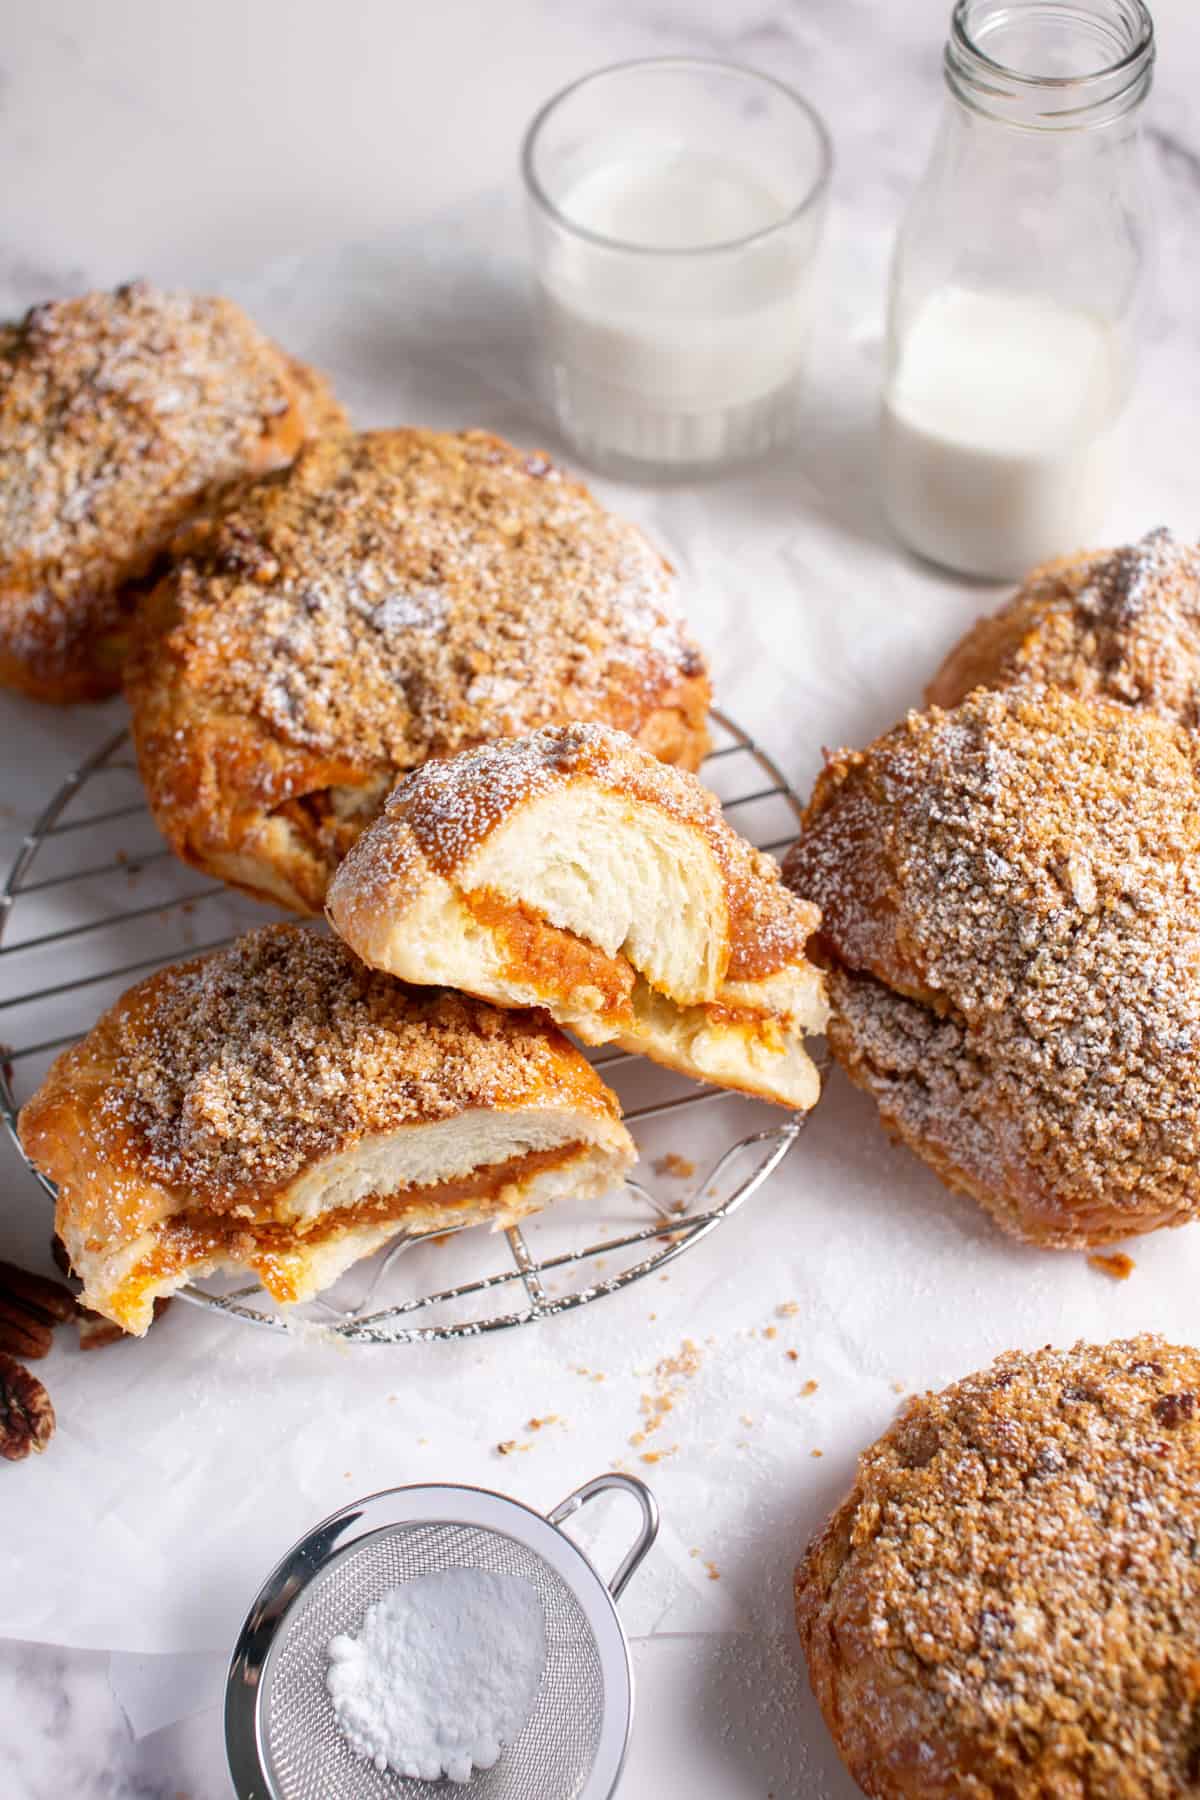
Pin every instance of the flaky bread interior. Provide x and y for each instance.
(612, 910)
(481, 1167)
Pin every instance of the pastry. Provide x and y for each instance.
(391, 597)
(569, 869)
(1115, 624)
(1010, 900)
(1007, 1606)
(277, 1107)
(119, 413)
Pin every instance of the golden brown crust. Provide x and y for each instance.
(393, 596)
(1118, 624)
(222, 1079)
(119, 413)
(1010, 896)
(1007, 1605)
(442, 812)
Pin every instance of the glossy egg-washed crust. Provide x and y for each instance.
(1010, 900)
(213, 1085)
(1007, 1605)
(443, 811)
(120, 413)
(1118, 624)
(393, 596)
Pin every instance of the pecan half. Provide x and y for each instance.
(26, 1415)
(46, 1300)
(96, 1332)
(21, 1334)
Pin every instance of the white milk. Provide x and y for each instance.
(674, 358)
(998, 430)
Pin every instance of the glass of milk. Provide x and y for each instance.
(675, 206)
(1017, 287)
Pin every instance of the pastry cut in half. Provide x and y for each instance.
(569, 869)
(1118, 624)
(277, 1107)
(391, 597)
(120, 414)
(1010, 910)
(1006, 1606)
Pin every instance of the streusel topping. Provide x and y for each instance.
(1023, 1552)
(400, 594)
(232, 1073)
(1028, 867)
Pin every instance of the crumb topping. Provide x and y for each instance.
(450, 807)
(1120, 624)
(117, 410)
(1020, 879)
(229, 1075)
(400, 594)
(1019, 1556)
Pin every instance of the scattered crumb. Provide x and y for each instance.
(787, 1310)
(816, 1453)
(669, 1374)
(678, 1166)
(810, 1387)
(537, 1424)
(747, 1419)
(712, 1571)
(1116, 1265)
(792, 1355)
(655, 1456)
(899, 1387)
(770, 1331)
(507, 1447)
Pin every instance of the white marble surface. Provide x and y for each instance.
(198, 143)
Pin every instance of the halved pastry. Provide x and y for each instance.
(276, 1106)
(569, 869)
(392, 596)
(120, 415)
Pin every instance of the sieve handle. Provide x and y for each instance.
(607, 1484)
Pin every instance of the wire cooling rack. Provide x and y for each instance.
(94, 900)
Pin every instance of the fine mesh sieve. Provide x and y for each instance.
(281, 1734)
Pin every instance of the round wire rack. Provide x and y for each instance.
(95, 899)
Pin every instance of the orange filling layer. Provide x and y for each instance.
(555, 962)
(193, 1238)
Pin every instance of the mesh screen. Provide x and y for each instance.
(306, 1754)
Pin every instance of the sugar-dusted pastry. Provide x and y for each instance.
(277, 1107)
(119, 414)
(1112, 624)
(394, 596)
(1007, 1605)
(1010, 901)
(569, 869)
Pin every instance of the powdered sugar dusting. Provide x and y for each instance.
(443, 1673)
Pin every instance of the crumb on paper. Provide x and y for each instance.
(899, 1387)
(816, 1453)
(810, 1387)
(657, 1456)
(538, 1424)
(507, 1447)
(787, 1310)
(792, 1355)
(770, 1331)
(712, 1571)
(1114, 1263)
(672, 1164)
(747, 1418)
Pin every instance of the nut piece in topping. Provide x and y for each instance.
(26, 1415)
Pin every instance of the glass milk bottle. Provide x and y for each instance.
(1017, 286)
